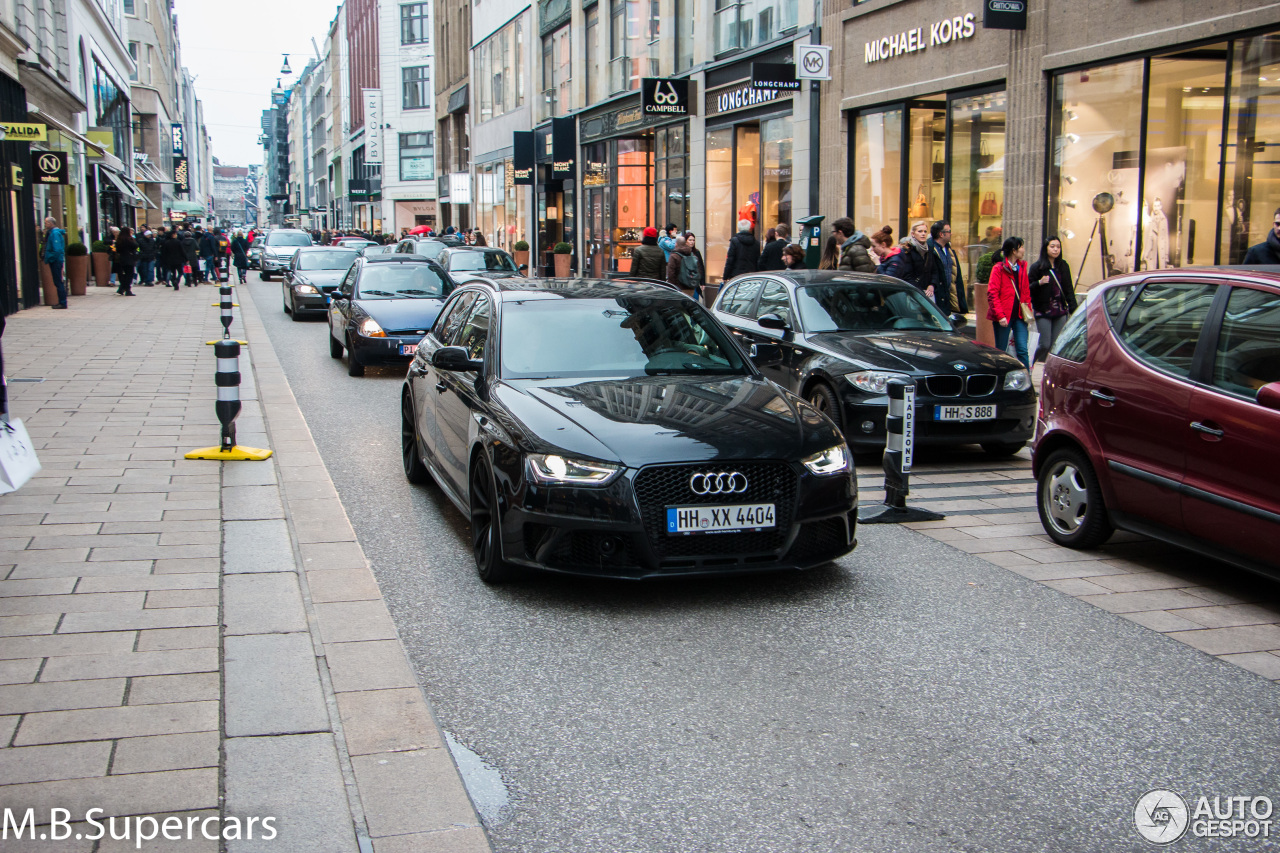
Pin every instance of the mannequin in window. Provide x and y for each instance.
(1155, 240)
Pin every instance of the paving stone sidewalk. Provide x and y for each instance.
(194, 639)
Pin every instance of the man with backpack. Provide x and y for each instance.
(685, 269)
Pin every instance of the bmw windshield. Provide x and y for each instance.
(867, 307)
(624, 336)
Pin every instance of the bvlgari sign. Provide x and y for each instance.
(913, 41)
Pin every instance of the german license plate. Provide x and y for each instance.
(719, 519)
(964, 413)
(408, 349)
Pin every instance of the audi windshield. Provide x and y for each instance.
(619, 337)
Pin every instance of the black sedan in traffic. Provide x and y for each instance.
(383, 307)
(313, 274)
(841, 336)
(477, 260)
(617, 430)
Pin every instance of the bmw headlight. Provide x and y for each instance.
(556, 470)
(833, 460)
(370, 329)
(873, 381)
(1017, 380)
(305, 288)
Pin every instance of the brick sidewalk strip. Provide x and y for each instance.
(187, 638)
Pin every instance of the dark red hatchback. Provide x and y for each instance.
(1160, 414)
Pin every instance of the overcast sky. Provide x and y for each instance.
(233, 48)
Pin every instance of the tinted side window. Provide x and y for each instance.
(1248, 355)
(774, 300)
(727, 295)
(447, 326)
(740, 304)
(348, 282)
(474, 333)
(1164, 324)
(1073, 341)
(1115, 297)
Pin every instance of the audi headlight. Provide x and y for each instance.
(1017, 380)
(305, 288)
(370, 329)
(556, 470)
(833, 460)
(873, 381)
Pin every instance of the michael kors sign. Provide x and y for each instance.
(913, 41)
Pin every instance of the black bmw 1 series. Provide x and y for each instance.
(596, 428)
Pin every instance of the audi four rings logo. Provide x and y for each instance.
(670, 97)
(718, 484)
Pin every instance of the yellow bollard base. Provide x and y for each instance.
(219, 304)
(228, 340)
(235, 454)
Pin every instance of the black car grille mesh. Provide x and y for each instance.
(659, 487)
(944, 386)
(981, 384)
(818, 539)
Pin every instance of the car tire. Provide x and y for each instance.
(485, 526)
(1002, 448)
(1070, 502)
(414, 471)
(284, 303)
(262, 276)
(293, 311)
(354, 367)
(335, 348)
(823, 398)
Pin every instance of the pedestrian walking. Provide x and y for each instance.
(915, 264)
(771, 256)
(55, 255)
(685, 269)
(208, 244)
(191, 252)
(793, 257)
(647, 260)
(1268, 251)
(883, 246)
(147, 251)
(949, 295)
(240, 255)
(127, 257)
(1053, 296)
(478, 239)
(744, 252)
(173, 257)
(855, 247)
(1009, 298)
(830, 259)
(667, 242)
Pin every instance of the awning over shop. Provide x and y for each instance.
(127, 188)
(149, 173)
(95, 150)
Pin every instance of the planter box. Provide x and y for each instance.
(562, 265)
(77, 272)
(101, 268)
(522, 259)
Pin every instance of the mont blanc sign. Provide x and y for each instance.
(941, 32)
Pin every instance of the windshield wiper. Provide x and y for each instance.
(376, 293)
(417, 292)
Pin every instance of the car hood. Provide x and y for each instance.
(281, 251)
(660, 419)
(402, 314)
(912, 352)
(326, 279)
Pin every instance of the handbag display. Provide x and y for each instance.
(939, 169)
(18, 460)
(985, 157)
(920, 210)
(989, 206)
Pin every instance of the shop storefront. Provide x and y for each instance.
(555, 180)
(501, 209)
(411, 214)
(750, 168)
(635, 175)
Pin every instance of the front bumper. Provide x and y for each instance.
(309, 303)
(386, 350)
(612, 532)
(1015, 420)
(271, 265)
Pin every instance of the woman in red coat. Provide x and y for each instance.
(1008, 290)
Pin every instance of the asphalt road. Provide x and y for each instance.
(910, 698)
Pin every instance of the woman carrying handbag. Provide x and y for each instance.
(1009, 298)
(1053, 297)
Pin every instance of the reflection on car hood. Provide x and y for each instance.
(912, 352)
(402, 314)
(659, 419)
(327, 279)
(282, 251)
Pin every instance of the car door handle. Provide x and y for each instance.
(416, 369)
(1103, 396)
(441, 387)
(1207, 430)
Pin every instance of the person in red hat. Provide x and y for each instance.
(648, 260)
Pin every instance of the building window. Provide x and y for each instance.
(592, 43)
(417, 91)
(413, 23)
(684, 34)
(741, 24)
(633, 43)
(133, 54)
(557, 59)
(129, 7)
(499, 71)
(417, 157)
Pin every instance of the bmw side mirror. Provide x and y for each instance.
(959, 321)
(1269, 396)
(772, 321)
(455, 359)
(524, 268)
(765, 355)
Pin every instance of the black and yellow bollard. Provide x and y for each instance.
(227, 353)
(899, 453)
(224, 305)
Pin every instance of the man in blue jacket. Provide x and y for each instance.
(55, 255)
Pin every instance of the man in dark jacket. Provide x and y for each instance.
(744, 253)
(172, 258)
(648, 260)
(209, 255)
(147, 251)
(191, 253)
(1267, 252)
(948, 291)
(855, 247)
(771, 255)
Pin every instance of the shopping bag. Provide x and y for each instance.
(18, 461)
(186, 269)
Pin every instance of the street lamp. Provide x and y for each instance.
(285, 69)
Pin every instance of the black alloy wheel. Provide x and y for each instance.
(354, 367)
(414, 471)
(335, 348)
(264, 275)
(485, 533)
(1001, 449)
(1070, 502)
(823, 398)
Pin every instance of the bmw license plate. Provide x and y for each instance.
(964, 413)
(719, 519)
(408, 349)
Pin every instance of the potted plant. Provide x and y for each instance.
(101, 264)
(522, 254)
(77, 268)
(562, 252)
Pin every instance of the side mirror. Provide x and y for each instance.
(524, 268)
(765, 355)
(959, 321)
(1269, 396)
(772, 321)
(455, 359)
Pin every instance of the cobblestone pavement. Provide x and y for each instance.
(193, 639)
(991, 513)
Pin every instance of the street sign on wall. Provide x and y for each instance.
(564, 144)
(181, 176)
(774, 75)
(813, 61)
(523, 157)
(1004, 14)
(660, 96)
(372, 125)
(49, 167)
